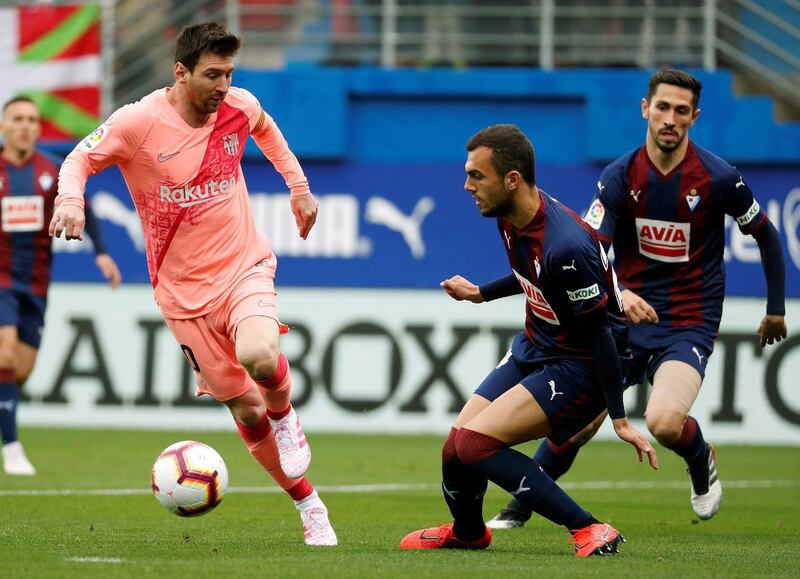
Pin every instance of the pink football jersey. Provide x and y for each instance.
(189, 190)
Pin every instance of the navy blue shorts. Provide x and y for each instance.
(566, 389)
(653, 345)
(26, 312)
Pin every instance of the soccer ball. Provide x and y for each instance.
(189, 478)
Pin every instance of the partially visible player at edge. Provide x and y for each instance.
(27, 190)
(179, 150)
(663, 206)
(561, 373)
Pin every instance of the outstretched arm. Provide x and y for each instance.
(270, 140)
(773, 325)
(69, 217)
(609, 375)
(460, 288)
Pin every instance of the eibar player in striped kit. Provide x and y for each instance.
(27, 192)
(179, 150)
(561, 373)
(663, 208)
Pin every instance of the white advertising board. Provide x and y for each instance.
(391, 361)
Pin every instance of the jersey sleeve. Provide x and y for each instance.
(606, 206)
(739, 203)
(246, 102)
(112, 143)
(271, 142)
(578, 270)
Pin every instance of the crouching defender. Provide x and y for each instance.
(561, 373)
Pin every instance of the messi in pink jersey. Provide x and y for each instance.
(189, 190)
(179, 150)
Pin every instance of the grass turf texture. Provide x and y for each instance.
(259, 534)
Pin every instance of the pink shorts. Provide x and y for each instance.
(209, 342)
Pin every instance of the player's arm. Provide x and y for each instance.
(460, 288)
(114, 142)
(270, 140)
(105, 263)
(609, 374)
(585, 289)
(773, 325)
(753, 220)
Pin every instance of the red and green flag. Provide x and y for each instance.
(52, 54)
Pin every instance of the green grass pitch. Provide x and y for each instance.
(47, 532)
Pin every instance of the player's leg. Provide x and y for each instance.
(257, 350)
(463, 488)
(676, 384)
(250, 414)
(253, 324)
(484, 444)
(211, 354)
(463, 491)
(15, 460)
(25, 362)
(555, 460)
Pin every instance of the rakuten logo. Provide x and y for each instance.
(196, 194)
(663, 240)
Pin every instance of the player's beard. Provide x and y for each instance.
(667, 147)
(500, 209)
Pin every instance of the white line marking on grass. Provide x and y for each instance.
(377, 488)
(94, 560)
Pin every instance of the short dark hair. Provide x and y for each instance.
(19, 99)
(511, 150)
(195, 39)
(675, 77)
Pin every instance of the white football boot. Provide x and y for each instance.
(295, 454)
(316, 526)
(14, 460)
(706, 504)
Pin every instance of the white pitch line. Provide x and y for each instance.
(94, 560)
(376, 488)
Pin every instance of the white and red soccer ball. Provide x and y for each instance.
(189, 478)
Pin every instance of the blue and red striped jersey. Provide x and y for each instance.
(668, 231)
(564, 273)
(27, 195)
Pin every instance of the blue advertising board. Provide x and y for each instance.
(407, 225)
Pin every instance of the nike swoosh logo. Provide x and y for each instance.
(162, 158)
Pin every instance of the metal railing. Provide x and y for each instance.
(759, 39)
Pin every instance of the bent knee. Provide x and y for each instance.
(665, 428)
(260, 361)
(472, 447)
(247, 414)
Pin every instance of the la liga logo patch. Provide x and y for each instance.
(95, 138)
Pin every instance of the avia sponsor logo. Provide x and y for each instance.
(23, 213)
(196, 194)
(584, 293)
(663, 240)
(537, 302)
(743, 220)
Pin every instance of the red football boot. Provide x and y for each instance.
(442, 537)
(596, 539)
